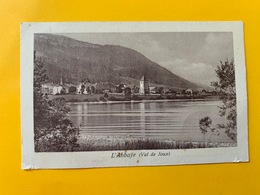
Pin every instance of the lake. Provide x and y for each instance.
(176, 120)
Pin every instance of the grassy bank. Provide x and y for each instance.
(109, 143)
(78, 97)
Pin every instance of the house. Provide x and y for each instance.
(188, 91)
(152, 90)
(51, 88)
(156, 90)
(81, 88)
(144, 86)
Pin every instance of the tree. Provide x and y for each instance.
(135, 89)
(160, 90)
(127, 91)
(53, 131)
(63, 91)
(85, 80)
(88, 90)
(226, 88)
(172, 91)
(72, 89)
(82, 88)
(120, 88)
(206, 129)
(93, 90)
(59, 135)
(40, 100)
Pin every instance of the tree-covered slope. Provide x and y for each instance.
(75, 60)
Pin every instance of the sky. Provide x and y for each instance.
(191, 55)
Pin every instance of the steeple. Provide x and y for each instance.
(61, 83)
(143, 78)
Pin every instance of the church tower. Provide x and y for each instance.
(144, 86)
(61, 82)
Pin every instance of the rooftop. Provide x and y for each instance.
(143, 78)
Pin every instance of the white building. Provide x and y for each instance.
(53, 89)
(50, 88)
(144, 86)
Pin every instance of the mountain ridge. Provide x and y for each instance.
(74, 60)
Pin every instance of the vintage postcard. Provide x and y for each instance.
(106, 94)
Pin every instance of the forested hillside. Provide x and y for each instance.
(76, 60)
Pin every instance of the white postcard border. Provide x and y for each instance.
(33, 160)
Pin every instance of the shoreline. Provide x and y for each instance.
(139, 101)
(145, 101)
(113, 98)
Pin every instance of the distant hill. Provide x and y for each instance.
(75, 60)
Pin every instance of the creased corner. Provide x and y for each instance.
(29, 167)
(237, 159)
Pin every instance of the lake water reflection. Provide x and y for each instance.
(177, 120)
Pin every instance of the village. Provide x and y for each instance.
(107, 91)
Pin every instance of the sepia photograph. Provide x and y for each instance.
(135, 92)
